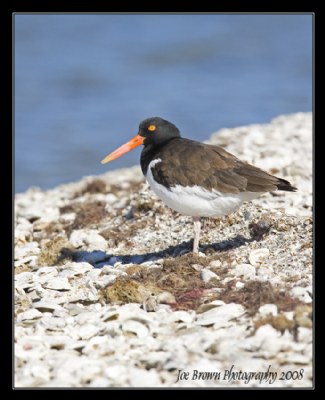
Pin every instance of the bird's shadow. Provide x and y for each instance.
(100, 258)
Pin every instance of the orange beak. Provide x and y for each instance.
(125, 148)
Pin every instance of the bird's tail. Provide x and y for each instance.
(282, 184)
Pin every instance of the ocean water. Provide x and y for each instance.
(84, 82)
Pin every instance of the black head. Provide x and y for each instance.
(156, 130)
(152, 133)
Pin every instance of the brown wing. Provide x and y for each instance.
(188, 163)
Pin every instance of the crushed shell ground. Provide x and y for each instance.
(108, 294)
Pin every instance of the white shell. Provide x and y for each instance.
(207, 275)
(29, 315)
(245, 270)
(57, 284)
(75, 269)
(88, 239)
(29, 249)
(220, 316)
(31, 347)
(268, 309)
(302, 293)
(135, 327)
(47, 306)
(257, 256)
(66, 338)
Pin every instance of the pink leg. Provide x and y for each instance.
(197, 228)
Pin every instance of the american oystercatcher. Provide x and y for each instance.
(193, 178)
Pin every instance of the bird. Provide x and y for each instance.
(193, 178)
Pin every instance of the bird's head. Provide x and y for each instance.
(152, 131)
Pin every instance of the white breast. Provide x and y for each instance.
(197, 201)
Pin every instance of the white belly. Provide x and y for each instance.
(197, 201)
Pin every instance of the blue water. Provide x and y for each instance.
(84, 82)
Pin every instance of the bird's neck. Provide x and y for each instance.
(151, 152)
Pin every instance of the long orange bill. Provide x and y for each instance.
(125, 148)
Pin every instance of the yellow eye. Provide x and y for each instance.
(152, 128)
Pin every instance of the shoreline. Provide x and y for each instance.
(108, 295)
